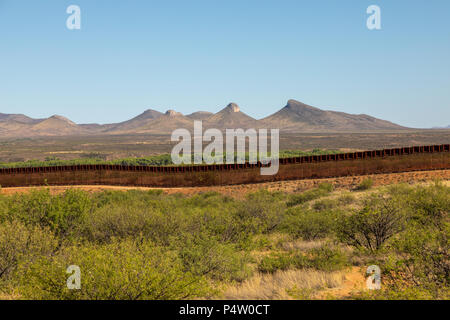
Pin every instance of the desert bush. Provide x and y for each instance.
(307, 224)
(428, 206)
(21, 244)
(205, 256)
(366, 184)
(261, 212)
(119, 270)
(324, 258)
(346, 199)
(372, 226)
(61, 213)
(275, 262)
(123, 221)
(322, 190)
(325, 204)
(420, 258)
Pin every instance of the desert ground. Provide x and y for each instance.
(112, 147)
(345, 282)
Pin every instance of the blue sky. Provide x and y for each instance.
(202, 54)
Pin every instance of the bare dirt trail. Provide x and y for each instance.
(354, 282)
(239, 191)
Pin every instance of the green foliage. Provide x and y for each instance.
(261, 212)
(420, 258)
(326, 204)
(61, 213)
(322, 190)
(323, 258)
(326, 186)
(427, 206)
(346, 199)
(143, 271)
(416, 263)
(308, 225)
(275, 262)
(21, 245)
(219, 261)
(366, 184)
(369, 228)
(327, 259)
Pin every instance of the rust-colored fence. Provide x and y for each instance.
(332, 165)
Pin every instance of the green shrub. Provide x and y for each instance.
(322, 205)
(324, 258)
(326, 186)
(421, 258)
(373, 225)
(61, 213)
(261, 212)
(366, 184)
(119, 270)
(327, 259)
(123, 221)
(308, 225)
(346, 199)
(322, 190)
(205, 256)
(429, 206)
(21, 244)
(275, 262)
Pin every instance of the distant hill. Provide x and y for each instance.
(200, 115)
(17, 117)
(25, 126)
(294, 117)
(13, 128)
(300, 117)
(230, 117)
(135, 122)
(56, 125)
(161, 124)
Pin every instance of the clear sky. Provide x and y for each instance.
(202, 54)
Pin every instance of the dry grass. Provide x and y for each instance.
(9, 296)
(300, 245)
(282, 284)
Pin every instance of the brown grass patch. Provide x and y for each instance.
(282, 284)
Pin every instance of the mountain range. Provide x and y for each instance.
(294, 117)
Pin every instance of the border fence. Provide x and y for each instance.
(316, 166)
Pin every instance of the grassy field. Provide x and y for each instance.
(113, 147)
(268, 245)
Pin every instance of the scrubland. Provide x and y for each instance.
(145, 244)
